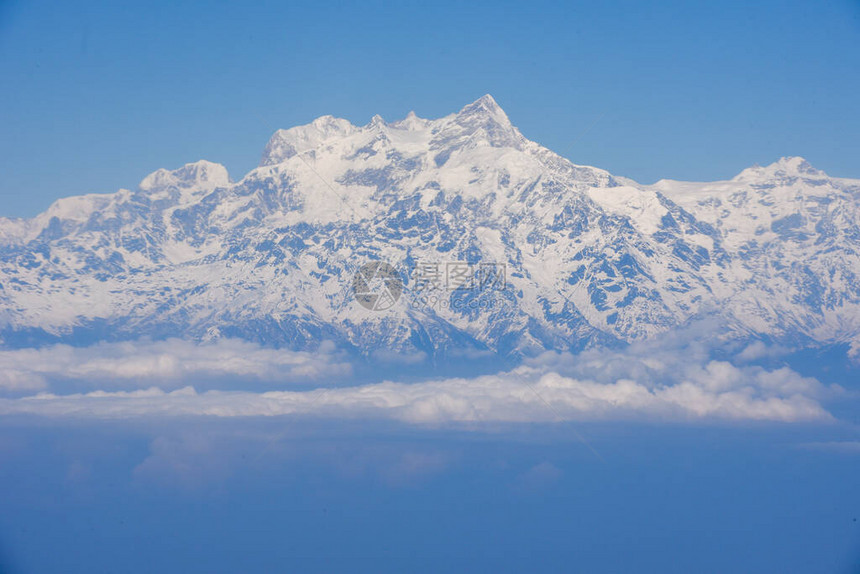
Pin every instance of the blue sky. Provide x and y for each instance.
(95, 95)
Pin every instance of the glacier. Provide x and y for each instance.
(591, 259)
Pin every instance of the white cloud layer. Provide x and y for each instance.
(642, 382)
(848, 447)
(163, 363)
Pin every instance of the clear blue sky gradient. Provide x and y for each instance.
(95, 95)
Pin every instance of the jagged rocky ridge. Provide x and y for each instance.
(590, 258)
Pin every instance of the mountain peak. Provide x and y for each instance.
(788, 166)
(197, 174)
(486, 100)
(794, 164)
(484, 106)
(485, 117)
(410, 122)
(284, 144)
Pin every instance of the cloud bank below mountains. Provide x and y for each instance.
(650, 381)
(168, 363)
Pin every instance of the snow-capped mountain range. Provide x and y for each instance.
(589, 258)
